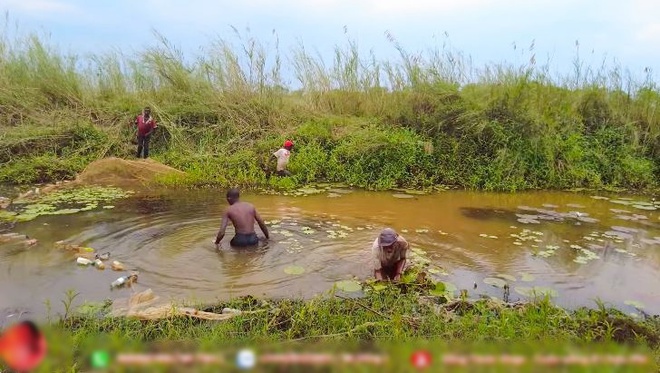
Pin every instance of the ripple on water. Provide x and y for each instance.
(174, 252)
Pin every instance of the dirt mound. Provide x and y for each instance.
(123, 172)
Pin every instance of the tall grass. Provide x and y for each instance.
(426, 118)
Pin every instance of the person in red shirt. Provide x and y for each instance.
(146, 125)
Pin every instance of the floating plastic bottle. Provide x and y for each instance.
(119, 282)
(99, 264)
(117, 266)
(83, 261)
(124, 280)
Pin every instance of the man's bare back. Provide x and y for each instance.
(242, 215)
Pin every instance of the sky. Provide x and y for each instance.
(626, 32)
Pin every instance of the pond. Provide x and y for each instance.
(580, 246)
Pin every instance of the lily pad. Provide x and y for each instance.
(575, 205)
(65, 211)
(334, 195)
(415, 192)
(546, 253)
(506, 277)
(349, 286)
(634, 303)
(526, 277)
(620, 202)
(294, 270)
(550, 206)
(528, 221)
(310, 190)
(402, 196)
(535, 291)
(600, 198)
(340, 191)
(624, 229)
(497, 282)
(586, 219)
(645, 207)
(25, 217)
(108, 207)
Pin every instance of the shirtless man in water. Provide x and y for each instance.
(242, 216)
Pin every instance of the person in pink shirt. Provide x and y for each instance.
(146, 124)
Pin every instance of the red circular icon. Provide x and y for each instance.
(22, 346)
(421, 359)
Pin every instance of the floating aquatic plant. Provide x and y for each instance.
(506, 277)
(349, 286)
(294, 270)
(645, 207)
(65, 201)
(526, 277)
(497, 282)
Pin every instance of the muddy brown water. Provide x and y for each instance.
(168, 239)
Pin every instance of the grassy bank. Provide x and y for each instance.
(394, 321)
(426, 119)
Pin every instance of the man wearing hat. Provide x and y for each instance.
(282, 156)
(389, 254)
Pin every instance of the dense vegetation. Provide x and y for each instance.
(424, 120)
